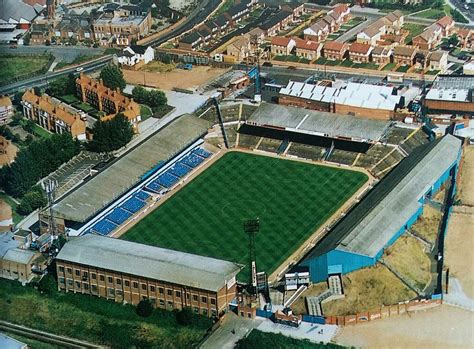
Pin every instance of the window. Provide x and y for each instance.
(61, 269)
(162, 302)
(196, 310)
(70, 282)
(85, 286)
(119, 282)
(61, 280)
(119, 293)
(204, 312)
(144, 287)
(213, 312)
(213, 301)
(152, 288)
(78, 284)
(78, 272)
(101, 277)
(94, 276)
(170, 305)
(178, 294)
(111, 292)
(204, 299)
(127, 283)
(195, 297)
(135, 284)
(161, 290)
(94, 288)
(169, 292)
(188, 295)
(109, 279)
(69, 270)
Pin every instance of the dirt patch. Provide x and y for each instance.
(465, 191)
(441, 327)
(368, 289)
(186, 79)
(458, 250)
(299, 306)
(427, 225)
(408, 258)
(158, 67)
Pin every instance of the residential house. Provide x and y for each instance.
(110, 102)
(295, 7)
(392, 23)
(359, 52)
(429, 38)
(421, 59)
(466, 38)
(282, 45)
(240, 49)
(40, 34)
(77, 27)
(237, 13)
(438, 60)
(8, 151)
(223, 23)
(382, 55)
(343, 11)
(447, 25)
(276, 23)
(205, 34)
(334, 50)
(53, 115)
(190, 41)
(134, 54)
(6, 109)
(404, 55)
(256, 36)
(213, 28)
(319, 31)
(307, 49)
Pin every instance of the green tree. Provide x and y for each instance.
(458, 16)
(185, 316)
(139, 94)
(453, 40)
(155, 99)
(63, 86)
(111, 135)
(112, 77)
(32, 200)
(29, 126)
(145, 308)
(48, 285)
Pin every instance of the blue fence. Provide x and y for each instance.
(264, 313)
(314, 319)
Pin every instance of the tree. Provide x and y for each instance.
(145, 308)
(458, 16)
(453, 40)
(139, 94)
(185, 316)
(29, 126)
(32, 200)
(155, 99)
(112, 77)
(111, 135)
(63, 86)
(48, 285)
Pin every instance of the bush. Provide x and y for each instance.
(32, 200)
(48, 285)
(155, 99)
(185, 316)
(145, 308)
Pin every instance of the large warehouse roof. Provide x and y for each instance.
(368, 228)
(109, 184)
(149, 261)
(452, 88)
(319, 123)
(350, 94)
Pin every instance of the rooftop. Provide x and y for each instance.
(150, 262)
(126, 171)
(319, 123)
(370, 225)
(459, 88)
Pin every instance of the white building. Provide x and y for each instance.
(468, 68)
(134, 54)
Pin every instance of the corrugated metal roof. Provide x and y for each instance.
(19, 256)
(150, 262)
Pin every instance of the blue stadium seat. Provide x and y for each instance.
(192, 160)
(154, 187)
(142, 195)
(167, 180)
(133, 205)
(202, 152)
(179, 169)
(118, 216)
(103, 227)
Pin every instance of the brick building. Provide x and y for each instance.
(334, 50)
(308, 49)
(107, 100)
(6, 109)
(53, 115)
(359, 52)
(128, 272)
(389, 24)
(451, 94)
(282, 45)
(382, 55)
(404, 55)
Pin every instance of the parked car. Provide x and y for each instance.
(13, 46)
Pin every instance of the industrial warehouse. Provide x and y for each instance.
(451, 94)
(387, 211)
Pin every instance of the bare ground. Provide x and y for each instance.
(466, 188)
(428, 224)
(299, 306)
(186, 79)
(441, 327)
(368, 289)
(459, 251)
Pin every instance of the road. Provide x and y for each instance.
(41, 81)
(198, 15)
(354, 31)
(459, 5)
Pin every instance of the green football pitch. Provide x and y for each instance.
(291, 199)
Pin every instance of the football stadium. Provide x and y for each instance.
(292, 199)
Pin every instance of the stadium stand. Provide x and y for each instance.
(154, 187)
(118, 216)
(142, 195)
(133, 205)
(306, 151)
(167, 180)
(202, 152)
(192, 160)
(103, 227)
(180, 169)
(270, 145)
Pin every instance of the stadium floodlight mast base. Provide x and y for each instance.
(251, 227)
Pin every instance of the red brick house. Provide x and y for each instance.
(447, 24)
(466, 38)
(308, 49)
(334, 50)
(404, 55)
(359, 52)
(282, 45)
(382, 55)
